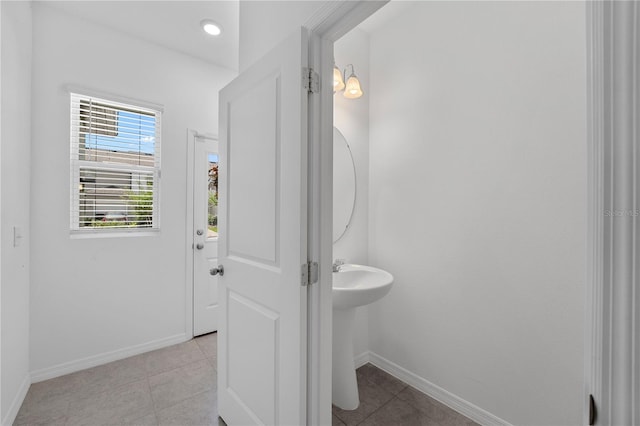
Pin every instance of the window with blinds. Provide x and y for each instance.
(115, 165)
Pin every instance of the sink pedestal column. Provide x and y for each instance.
(344, 382)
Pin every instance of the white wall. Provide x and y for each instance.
(16, 134)
(351, 117)
(477, 202)
(104, 297)
(264, 24)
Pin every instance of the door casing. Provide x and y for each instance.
(330, 23)
(612, 347)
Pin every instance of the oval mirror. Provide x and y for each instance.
(344, 185)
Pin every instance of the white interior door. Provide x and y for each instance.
(205, 235)
(263, 240)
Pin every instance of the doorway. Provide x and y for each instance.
(202, 232)
(414, 218)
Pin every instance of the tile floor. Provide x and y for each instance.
(386, 401)
(177, 386)
(170, 386)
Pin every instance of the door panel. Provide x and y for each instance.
(253, 221)
(263, 241)
(258, 389)
(205, 236)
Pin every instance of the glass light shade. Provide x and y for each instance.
(353, 90)
(338, 82)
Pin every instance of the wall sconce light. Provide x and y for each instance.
(338, 81)
(352, 89)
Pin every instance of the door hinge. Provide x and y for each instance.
(310, 80)
(593, 412)
(309, 273)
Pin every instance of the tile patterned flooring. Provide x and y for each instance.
(177, 386)
(387, 401)
(170, 386)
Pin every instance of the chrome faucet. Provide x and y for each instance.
(337, 264)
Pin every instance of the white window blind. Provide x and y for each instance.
(115, 165)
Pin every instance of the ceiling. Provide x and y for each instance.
(173, 24)
(384, 15)
(176, 23)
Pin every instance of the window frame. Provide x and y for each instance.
(77, 165)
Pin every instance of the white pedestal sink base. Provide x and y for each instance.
(344, 382)
(353, 286)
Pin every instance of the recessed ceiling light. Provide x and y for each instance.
(211, 27)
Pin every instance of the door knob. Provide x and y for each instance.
(217, 271)
(199, 246)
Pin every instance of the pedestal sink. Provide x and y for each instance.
(353, 286)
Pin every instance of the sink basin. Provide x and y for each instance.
(358, 285)
(353, 286)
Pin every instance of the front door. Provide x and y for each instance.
(205, 235)
(262, 227)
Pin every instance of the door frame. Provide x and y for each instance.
(192, 136)
(593, 338)
(328, 24)
(612, 366)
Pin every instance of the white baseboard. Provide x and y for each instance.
(104, 358)
(460, 405)
(11, 415)
(361, 359)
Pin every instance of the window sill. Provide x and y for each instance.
(116, 233)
